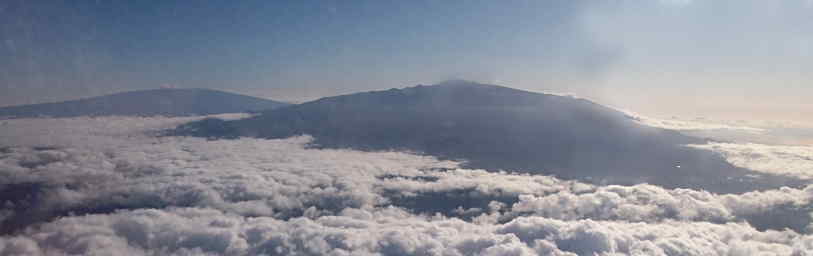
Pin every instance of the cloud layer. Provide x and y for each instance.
(389, 231)
(795, 161)
(696, 125)
(108, 186)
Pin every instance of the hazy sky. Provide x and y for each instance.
(743, 59)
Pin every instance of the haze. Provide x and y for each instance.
(723, 59)
(400, 128)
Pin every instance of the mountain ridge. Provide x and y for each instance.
(500, 128)
(164, 102)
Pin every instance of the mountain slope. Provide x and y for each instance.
(167, 102)
(494, 128)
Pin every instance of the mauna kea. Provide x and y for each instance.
(500, 128)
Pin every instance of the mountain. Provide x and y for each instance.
(166, 102)
(500, 128)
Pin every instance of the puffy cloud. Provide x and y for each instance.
(389, 231)
(248, 176)
(482, 182)
(97, 190)
(587, 237)
(647, 203)
(252, 177)
(476, 194)
(183, 230)
(795, 161)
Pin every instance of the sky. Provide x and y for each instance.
(748, 59)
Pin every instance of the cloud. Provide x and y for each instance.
(692, 125)
(473, 194)
(131, 170)
(90, 132)
(389, 231)
(652, 204)
(587, 237)
(248, 176)
(794, 161)
(98, 190)
(759, 132)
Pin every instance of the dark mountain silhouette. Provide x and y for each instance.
(166, 102)
(494, 127)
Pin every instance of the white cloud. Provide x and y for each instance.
(252, 177)
(795, 161)
(123, 191)
(692, 125)
(247, 176)
(652, 204)
(483, 182)
(389, 231)
(759, 132)
(89, 132)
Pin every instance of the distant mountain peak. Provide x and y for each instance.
(498, 128)
(153, 102)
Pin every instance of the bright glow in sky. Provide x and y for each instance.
(745, 59)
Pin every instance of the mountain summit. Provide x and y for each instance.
(165, 102)
(499, 128)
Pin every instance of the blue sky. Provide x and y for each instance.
(737, 59)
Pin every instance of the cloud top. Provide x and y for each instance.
(125, 191)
